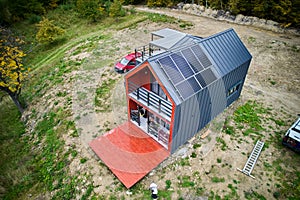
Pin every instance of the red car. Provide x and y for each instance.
(128, 62)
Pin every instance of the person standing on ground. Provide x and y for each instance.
(154, 191)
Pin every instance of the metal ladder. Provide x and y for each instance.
(252, 159)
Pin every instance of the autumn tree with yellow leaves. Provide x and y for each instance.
(48, 32)
(12, 70)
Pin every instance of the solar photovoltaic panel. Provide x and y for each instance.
(193, 61)
(189, 70)
(185, 89)
(182, 65)
(194, 84)
(206, 77)
(171, 69)
(201, 80)
(201, 56)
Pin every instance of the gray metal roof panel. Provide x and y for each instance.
(169, 38)
(226, 50)
(167, 32)
(188, 40)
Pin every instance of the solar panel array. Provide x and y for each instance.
(189, 70)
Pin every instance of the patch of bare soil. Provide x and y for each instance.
(273, 80)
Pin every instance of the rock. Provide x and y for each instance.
(186, 6)
(214, 13)
(182, 152)
(272, 23)
(239, 18)
(180, 5)
(220, 14)
(201, 8)
(152, 173)
(262, 21)
(207, 12)
(128, 192)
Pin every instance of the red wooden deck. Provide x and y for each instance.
(129, 152)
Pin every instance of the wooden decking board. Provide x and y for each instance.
(129, 153)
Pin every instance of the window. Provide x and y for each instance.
(131, 63)
(233, 89)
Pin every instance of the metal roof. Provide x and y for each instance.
(169, 38)
(192, 66)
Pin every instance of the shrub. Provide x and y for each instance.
(116, 9)
(48, 32)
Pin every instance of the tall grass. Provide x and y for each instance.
(14, 151)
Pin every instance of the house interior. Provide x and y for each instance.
(149, 106)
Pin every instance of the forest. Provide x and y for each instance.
(286, 12)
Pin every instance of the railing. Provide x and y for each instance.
(146, 51)
(151, 99)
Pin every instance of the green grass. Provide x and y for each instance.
(253, 195)
(222, 143)
(230, 130)
(46, 165)
(185, 181)
(14, 151)
(184, 162)
(251, 39)
(196, 146)
(249, 114)
(193, 155)
(217, 180)
(168, 184)
(102, 95)
(255, 121)
(45, 79)
(233, 193)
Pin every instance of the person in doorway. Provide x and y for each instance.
(154, 191)
(143, 112)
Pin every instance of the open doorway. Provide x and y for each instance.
(151, 123)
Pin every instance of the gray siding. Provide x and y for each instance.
(196, 112)
(234, 77)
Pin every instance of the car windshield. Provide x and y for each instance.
(124, 61)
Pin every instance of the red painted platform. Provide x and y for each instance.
(129, 152)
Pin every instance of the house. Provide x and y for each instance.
(172, 95)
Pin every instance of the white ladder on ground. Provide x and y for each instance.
(252, 159)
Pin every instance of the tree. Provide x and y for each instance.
(12, 71)
(116, 9)
(91, 9)
(48, 32)
(159, 3)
